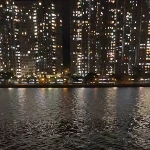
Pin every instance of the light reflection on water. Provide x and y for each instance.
(76, 118)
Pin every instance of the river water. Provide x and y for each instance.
(75, 119)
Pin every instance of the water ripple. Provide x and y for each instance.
(75, 119)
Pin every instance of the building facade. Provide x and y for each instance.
(50, 38)
(110, 37)
(6, 37)
(31, 37)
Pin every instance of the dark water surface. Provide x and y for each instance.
(75, 119)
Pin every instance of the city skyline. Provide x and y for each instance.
(31, 42)
(104, 37)
(110, 37)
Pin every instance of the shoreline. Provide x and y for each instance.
(73, 86)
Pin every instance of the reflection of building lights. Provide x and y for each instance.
(65, 90)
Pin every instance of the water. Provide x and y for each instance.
(75, 119)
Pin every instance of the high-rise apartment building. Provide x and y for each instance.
(1, 29)
(50, 38)
(25, 34)
(6, 26)
(143, 58)
(110, 36)
(31, 39)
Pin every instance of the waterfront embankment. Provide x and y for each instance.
(72, 85)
